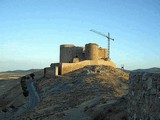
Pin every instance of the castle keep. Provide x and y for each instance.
(72, 54)
(73, 58)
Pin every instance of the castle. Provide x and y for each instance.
(75, 57)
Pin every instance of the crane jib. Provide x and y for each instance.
(107, 36)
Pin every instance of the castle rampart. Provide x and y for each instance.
(69, 67)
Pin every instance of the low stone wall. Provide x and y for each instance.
(69, 67)
(49, 72)
(144, 96)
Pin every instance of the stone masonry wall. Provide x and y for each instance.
(102, 53)
(49, 72)
(90, 52)
(69, 52)
(144, 96)
(69, 67)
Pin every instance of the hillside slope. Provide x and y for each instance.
(83, 94)
(11, 79)
(12, 93)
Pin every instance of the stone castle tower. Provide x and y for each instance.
(73, 58)
(71, 54)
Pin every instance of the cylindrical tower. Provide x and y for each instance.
(103, 53)
(91, 51)
(66, 53)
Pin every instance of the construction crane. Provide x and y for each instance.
(108, 37)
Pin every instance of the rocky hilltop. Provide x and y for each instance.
(81, 95)
(90, 93)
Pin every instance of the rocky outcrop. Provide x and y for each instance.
(144, 96)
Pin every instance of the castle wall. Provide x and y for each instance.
(69, 67)
(91, 51)
(49, 72)
(78, 52)
(69, 52)
(144, 96)
(66, 53)
(57, 68)
(102, 53)
(53, 70)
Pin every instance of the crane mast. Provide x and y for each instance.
(106, 36)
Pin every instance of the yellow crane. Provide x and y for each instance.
(106, 36)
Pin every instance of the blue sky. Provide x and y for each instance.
(31, 31)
